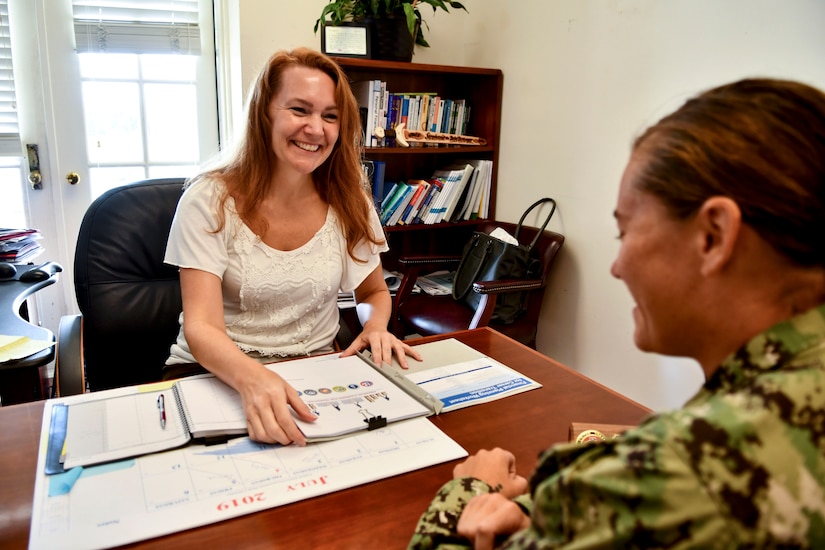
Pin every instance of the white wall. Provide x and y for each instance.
(581, 79)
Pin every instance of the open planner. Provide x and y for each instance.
(347, 395)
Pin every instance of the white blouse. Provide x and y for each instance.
(276, 303)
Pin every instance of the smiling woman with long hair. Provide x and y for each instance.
(267, 239)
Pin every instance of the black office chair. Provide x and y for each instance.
(129, 299)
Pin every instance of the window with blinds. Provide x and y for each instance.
(140, 94)
(9, 132)
(136, 26)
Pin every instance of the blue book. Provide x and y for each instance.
(388, 192)
(393, 202)
(378, 172)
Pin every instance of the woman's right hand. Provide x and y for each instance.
(267, 400)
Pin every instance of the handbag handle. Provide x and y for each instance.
(546, 221)
(463, 292)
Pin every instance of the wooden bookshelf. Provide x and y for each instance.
(482, 90)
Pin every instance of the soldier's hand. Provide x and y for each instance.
(488, 516)
(497, 468)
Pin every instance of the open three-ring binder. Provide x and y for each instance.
(346, 394)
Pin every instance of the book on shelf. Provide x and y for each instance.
(455, 178)
(401, 191)
(423, 187)
(466, 200)
(423, 210)
(378, 174)
(365, 93)
(389, 190)
(437, 207)
(399, 208)
(463, 175)
(403, 210)
(347, 394)
(475, 208)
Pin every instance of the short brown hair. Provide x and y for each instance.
(760, 142)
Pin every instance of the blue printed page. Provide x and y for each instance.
(472, 382)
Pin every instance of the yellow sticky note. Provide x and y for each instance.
(18, 347)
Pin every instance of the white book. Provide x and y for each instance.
(461, 212)
(483, 179)
(464, 174)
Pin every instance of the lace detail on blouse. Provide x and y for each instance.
(282, 293)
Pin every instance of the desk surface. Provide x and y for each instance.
(380, 514)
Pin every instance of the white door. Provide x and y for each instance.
(51, 83)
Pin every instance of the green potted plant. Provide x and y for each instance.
(387, 20)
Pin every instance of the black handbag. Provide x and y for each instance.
(486, 258)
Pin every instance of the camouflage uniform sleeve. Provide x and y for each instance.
(437, 526)
(633, 492)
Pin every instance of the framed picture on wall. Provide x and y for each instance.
(346, 40)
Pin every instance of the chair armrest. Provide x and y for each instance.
(428, 260)
(508, 285)
(70, 367)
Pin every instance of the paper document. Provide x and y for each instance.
(471, 382)
(460, 376)
(152, 495)
(18, 347)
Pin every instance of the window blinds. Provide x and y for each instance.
(136, 26)
(9, 131)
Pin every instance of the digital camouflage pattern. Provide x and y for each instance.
(742, 465)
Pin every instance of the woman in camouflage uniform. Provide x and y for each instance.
(721, 216)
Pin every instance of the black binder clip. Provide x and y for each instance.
(373, 422)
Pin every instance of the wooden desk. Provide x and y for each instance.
(377, 515)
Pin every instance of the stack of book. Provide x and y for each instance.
(429, 112)
(454, 193)
(19, 245)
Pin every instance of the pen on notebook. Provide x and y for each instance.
(162, 409)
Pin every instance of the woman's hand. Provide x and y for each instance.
(383, 344)
(497, 468)
(373, 308)
(267, 399)
(488, 516)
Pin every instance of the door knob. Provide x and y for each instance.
(35, 178)
(72, 178)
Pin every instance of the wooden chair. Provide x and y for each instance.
(426, 315)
